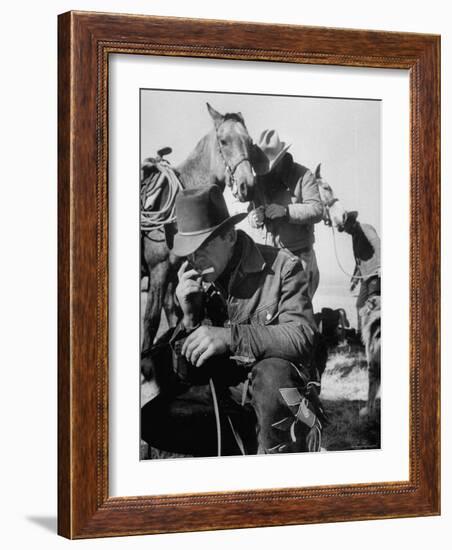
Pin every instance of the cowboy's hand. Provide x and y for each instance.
(274, 211)
(205, 342)
(189, 294)
(256, 217)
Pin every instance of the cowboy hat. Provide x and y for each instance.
(200, 212)
(273, 148)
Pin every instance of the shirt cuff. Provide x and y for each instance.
(241, 345)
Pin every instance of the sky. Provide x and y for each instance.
(341, 134)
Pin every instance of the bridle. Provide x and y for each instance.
(328, 222)
(327, 204)
(326, 208)
(230, 169)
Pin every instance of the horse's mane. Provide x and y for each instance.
(237, 117)
(202, 147)
(191, 165)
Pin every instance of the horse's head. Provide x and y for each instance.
(333, 211)
(233, 153)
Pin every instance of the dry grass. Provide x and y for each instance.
(344, 393)
(347, 430)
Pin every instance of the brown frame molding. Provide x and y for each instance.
(85, 41)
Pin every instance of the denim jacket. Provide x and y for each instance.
(267, 305)
(270, 313)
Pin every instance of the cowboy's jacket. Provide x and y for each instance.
(299, 193)
(267, 306)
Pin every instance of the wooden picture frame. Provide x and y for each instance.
(85, 42)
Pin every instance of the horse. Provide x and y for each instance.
(371, 335)
(370, 314)
(334, 213)
(221, 157)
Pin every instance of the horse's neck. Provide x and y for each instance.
(201, 167)
(266, 187)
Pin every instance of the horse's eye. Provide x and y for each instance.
(223, 142)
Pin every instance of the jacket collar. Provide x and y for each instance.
(251, 260)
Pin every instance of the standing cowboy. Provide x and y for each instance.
(287, 204)
(366, 249)
(247, 326)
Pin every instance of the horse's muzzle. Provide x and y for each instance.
(243, 190)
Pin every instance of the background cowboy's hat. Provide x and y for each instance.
(273, 149)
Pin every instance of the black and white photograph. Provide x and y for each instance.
(224, 235)
(259, 274)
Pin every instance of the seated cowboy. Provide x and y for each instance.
(247, 335)
(366, 250)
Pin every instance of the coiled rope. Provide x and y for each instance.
(161, 174)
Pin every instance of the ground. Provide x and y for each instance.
(344, 392)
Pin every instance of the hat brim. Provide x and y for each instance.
(185, 244)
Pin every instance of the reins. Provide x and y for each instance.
(329, 223)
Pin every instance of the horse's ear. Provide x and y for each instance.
(216, 116)
(317, 172)
(239, 114)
